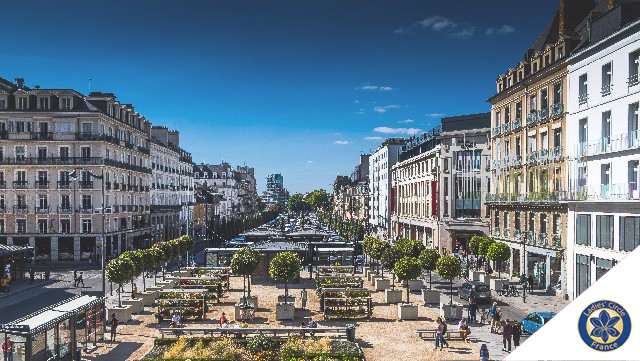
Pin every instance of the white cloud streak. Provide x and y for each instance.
(388, 130)
(373, 138)
(341, 142)
(406, 121)
(375, 88)
(451, 28)
(384, 109)
(435, 115)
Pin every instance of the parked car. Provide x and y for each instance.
(535, 320)
(479, 289)
(359, 260)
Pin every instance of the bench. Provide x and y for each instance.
(334, 332)
(431, 335)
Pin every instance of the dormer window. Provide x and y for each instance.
(22, 102)
(66, 103)
(560, 52)
(3, 102)
(43, 103)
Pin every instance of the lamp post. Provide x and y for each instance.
(74, 176)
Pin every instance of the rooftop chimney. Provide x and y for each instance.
(610, 4)
(20, 82)
(571, 13)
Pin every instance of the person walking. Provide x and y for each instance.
(491, 312)
(496, 325)
(223, 319)
(507, 332)
(530, 281)
(517, 332)
(473, 307)
(114, 326)
(439, 334)
(7, 349)
(303, 298)
(484, 352)
(75, 278)
(79, 280)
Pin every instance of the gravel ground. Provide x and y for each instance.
(382, 337)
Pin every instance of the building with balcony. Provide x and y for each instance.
(528, 194)
(438, 183)
(350, 197)
(604, 149)
(172, 185)
(236, 187)
(276, 195)
(381, 197)
(48, 135)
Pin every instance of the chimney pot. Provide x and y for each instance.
(20, 82)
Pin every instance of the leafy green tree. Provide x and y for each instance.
(295, 203)
(136, 261)
(410, 247)
(449, 267)
(119, 271)
(244, 262)
(317, 199)
(158, 259)
(147, 264)
(484, 246)
(428, 258)
(378, 248)
(499, 252)
(285, 267)
(406, 269)
(390, 256)
(474, 243)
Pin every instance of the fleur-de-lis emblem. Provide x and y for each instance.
(604, 326)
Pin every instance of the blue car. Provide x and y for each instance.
(535, 320)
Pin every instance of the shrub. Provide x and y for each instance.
(484, 245)
(409, 247)
(261, 343)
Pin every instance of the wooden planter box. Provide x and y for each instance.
(251, 301)
(407, 311)
(147, 297)
(290, 299)
(451, 312)
(371, 274)
(393, 296)
(123, 314)
(285, 311)
(475, 275)
(415, 285)
(486, 279)
(382, 284)
(135, 304)
(238, 312)
(430, 297)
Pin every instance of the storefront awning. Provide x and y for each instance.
(9, 250)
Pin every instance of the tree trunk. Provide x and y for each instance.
(248, 286)
(408, 292)
(451, 290)
(286, 293)
(144, 282)
(119, 293)
(429, 279)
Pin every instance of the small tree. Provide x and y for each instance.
(137, 265)
(158, 259)
(119, 271)
(484, 245)
(474, 242)
(244, 262)
(410, 247)
(378, 247)
(390, 256)
(499, 252)
(407, 268)
(285, 267)
(428, 258)
(147, 264)
(449, 268)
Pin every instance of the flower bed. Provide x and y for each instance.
(336, 270)
(212, 285)
(221, 273)
(346, 303)
(189, 305)
(342, 281)
(261, 347)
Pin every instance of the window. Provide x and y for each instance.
(3, 103)
(1, 225)
(42, 153)
(43, 103)
(543, 223)
(583, 95)
(65, 202)
(43, 203)
(64, 153)
(86, 128)
(634, 129)
(583, 273)
(605, 180)
(86, 226)
(583, 127)
(518, 110)
(583, 229)
(86, 202)
(65, 103)
(634, 66)
(65, 226)
(606, 131)
(602, 266)
(544, 99)
(629, 233)
(22, 103)
(42, 226)
(85, 153)
(633, 172)
(557, 93)
(604, 232)
(21, 226)
(606, 79)
(533, 103)
(21, 152)
(532, 222)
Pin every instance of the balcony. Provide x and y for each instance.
(42, 210)
(530, 238)
(42, 136)
(85, 210)
(20, 209)
(583, 98)
(605, 90)
(556, 241)
(543, 240)
(64, 185)
(613, 144)
(516, 124)
(116, 186)
(531, 197)
(532, 117)
(86, 184)
(495, 131)
(632, 79)
(505, 232)
(64, 210)
(3, 210)
(517, 234)
(42, 184)
(543, 114)
(607, 192)
(557, 109)
(107, 185)
(20, 185)
(496, 232)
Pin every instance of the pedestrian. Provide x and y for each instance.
(484, 352)
(496, 325)
(303, 298)
(473, 307)
(439, 332)
(491, 312)
(32, 275)
(114, 326)
(223, 319)
(312, 324)
(444, 333)
(7, 349)
(464, 330)
(80, 280)
(530, 280)
(75, 278)
(507, 332)
(517, 332)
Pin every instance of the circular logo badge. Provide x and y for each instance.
(604, 325)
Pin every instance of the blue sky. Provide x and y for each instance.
(298, 87)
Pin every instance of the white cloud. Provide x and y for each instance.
(337, 134)
(375, 87)
(373, 138)
(506, 29)
(383, 109)
(435, 23)
(464, 33)
(341, 142)
(435, 115)
(388, 130)
(360, 111)
(356, 101)
(406, 121)
(309, 161)
(449, 27)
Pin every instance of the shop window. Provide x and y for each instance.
(583, 229)
(604, 231)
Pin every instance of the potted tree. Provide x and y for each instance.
(378, 248)
(389, 259)
(147, 264)
(244, 262)
(474, 244)
(119, 271)
(411, 248)
(449, 268)
(407, 268)
(483, 248)
(498, 252)
(285, 267)
(428, 259)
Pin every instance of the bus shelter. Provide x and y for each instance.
(58, 332)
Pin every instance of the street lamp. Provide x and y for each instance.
(74, 175)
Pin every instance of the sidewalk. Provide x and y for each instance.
(538, 301)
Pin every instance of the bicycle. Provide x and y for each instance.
(513, 291)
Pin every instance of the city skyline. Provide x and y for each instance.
(263, 83)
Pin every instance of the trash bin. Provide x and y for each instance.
(47, 274)
(78, 354)
(351, 333)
